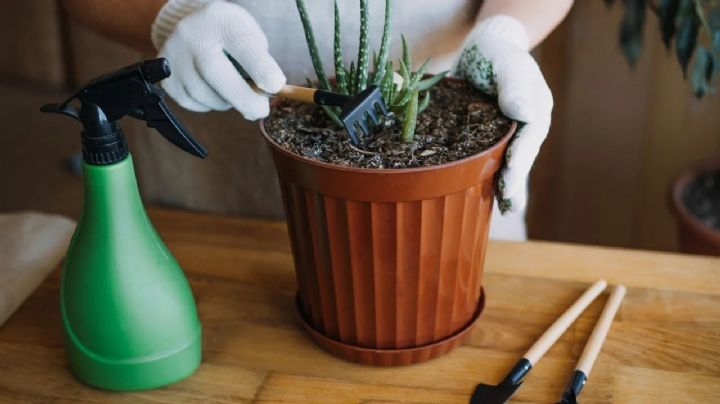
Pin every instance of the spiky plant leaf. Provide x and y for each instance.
(406, 56)
(362, 64)
(431, 81)
(312, 45)
(333, 113)
(384, 45)
(340, 78)
(410, 87)
(387, 84)
(424, 102)
(410, 118)
(352, 75)
(404, 71)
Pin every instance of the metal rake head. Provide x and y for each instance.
(361, 108)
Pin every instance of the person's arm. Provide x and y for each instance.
(125, 21)
(538, 17)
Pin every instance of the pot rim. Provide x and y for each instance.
(499, 143)
(678, 206)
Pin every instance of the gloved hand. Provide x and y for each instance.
(194, 36)
(497, 61)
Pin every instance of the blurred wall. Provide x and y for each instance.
(618, 135)
(43, 56)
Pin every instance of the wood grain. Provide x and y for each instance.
(663, 345)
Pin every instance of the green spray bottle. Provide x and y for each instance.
(128, 314)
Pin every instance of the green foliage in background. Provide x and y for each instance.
(406, 100)
(692, 27)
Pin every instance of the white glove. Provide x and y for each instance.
(497, 61)
(194, 36)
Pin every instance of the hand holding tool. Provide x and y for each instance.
(355, 109)
(489, 394)
(593, 346)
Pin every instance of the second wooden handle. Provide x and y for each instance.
(592, 348)
(553, 333)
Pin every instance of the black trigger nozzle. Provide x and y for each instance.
(155, 70)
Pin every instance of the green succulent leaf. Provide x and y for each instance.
(353, 78)
(384, 45)
(404, 71)
(410, 87)
(687, 35)
(424, 102)
(431, 81)
(340, 78)
(406, 56)
(387, 84)
(631, 30)
(362, 65)
(410, 118)
(333, 113)
(312, 45)
(421, 70)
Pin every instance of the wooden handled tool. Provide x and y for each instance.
(489, 394)
(355, 110)
(593, 346)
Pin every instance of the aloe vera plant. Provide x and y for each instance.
(406, 100)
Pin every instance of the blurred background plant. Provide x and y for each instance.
(405, 92)
(690, 26)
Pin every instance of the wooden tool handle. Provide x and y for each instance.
(553, 333)
(297, 93)
(592, 348)
(290, 92)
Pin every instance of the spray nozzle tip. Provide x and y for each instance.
(156, 69)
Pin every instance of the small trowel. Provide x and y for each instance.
(592, 348)
(500, 393)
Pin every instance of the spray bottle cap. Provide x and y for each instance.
(128, 91)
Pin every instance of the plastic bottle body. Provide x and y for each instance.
(128, 313)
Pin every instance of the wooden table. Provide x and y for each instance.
(664, 346)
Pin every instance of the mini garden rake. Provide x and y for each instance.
(355, 110)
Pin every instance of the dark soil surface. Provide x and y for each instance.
(458, 123)
(702, 198)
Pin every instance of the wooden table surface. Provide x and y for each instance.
(664, 346)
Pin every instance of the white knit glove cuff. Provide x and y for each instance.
(501, 26)
(170, 14)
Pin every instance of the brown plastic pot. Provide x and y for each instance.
(694, 237)
(389, 262)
